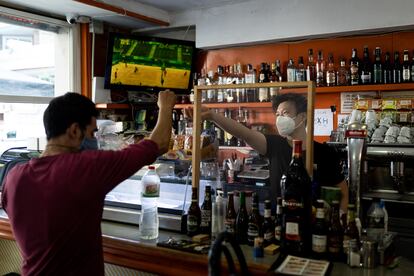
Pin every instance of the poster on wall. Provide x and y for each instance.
(348, 100)
(323, 122)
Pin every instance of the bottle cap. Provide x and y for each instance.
(151, 167)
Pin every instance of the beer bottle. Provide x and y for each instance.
(242, 220)
(268, 227)
(351, 232)
(255, 221)
(205, 226)
(335, 234)
(194, 215)
(230, 214)
(297, 206)
(319, 232)
(278, 221)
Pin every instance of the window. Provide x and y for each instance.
(37, 61)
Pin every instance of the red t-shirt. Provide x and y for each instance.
(55, 205)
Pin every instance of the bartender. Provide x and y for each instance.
(290, 110)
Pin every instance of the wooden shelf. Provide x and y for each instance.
(228, 105)
(359, 88)
(112, 106)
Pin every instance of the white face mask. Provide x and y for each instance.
(285, 125)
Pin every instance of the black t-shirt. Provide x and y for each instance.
(279, 152)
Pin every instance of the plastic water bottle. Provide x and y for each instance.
(382, 206)
(148, 223)
(376, 225)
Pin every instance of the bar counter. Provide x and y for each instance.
(122, 247)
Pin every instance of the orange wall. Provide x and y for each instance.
(339, 47)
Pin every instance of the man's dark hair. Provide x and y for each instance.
(300, 101)
(66, 110)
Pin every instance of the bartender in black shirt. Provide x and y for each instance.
(290, 112)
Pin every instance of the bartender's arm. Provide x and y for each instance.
(253, 138)
(162, 132)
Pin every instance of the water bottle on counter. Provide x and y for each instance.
(375, 221)
(382, 206)
(148, 222)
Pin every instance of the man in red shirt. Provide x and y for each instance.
(55, 202)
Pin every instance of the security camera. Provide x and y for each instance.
(71, 18)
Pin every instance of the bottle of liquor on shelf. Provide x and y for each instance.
(406, 68)
(351, 231)
(311, 67)
(273, 78)
(241, 120)
(250, 77)
(278, 220)
(194, 215)
(342, 76)
(211, 96)
(378, 71)
(291, 71)
(182, 125)
(242, 220)
(205, 226)
(366, 70)
(354, 68)
(320, 70)
(278, 71)
(219, 80)
(240, 92)
(335, 234)
(330, 72)
(263, 78)
(268, 227)
(387, 68)
(300, 71)
(231, 79)
(230, 221)
(255, 221)
(396, 70)
(297, 206)
(319, 232)
(412, 67)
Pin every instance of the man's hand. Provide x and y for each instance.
(166, 99)
(206, 113)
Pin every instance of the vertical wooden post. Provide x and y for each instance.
(309, 125)
(86, 77)
(196, 152)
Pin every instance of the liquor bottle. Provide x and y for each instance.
(335, 234)
(250, 77)
(351, 231)
(241, 120)
(310, 68)
(300, 71)
(263, 78)
(255, 221)
(278, 221)
(406, 67)
(396, 70)
(377, 72)
(387, 69)
(219, 80)
(319, 232)
(412, 68)
(230, 94)
(320, 70)
(205, 226)
(330, 72)
(291, 71)
(194, 215)
(230, 221)
(242, 220)
(268, 228)
(354, 67)
(240, 92)
(211, 80)
(342, 76)
(366, 70)
(296, 200)
(278, 71)
(273, 78)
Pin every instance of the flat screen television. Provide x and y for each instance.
(149, 64)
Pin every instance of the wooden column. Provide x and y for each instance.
(86, 59)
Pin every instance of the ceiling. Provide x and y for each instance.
(159, 9)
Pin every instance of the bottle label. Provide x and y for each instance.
(366, 78)
(267, 213)
(300, 76)
(192, 223)
(278, 232)
(290, 74)
(229, 223)
(210, 94)
(319, 243)
(320, 213)
(268, 236)
(263, 94)
(261, 77)
(205, 218)
(151, 190)
(354, 74)
(406, 74)
(252, 231)
(292, 204)
(292, 231)
(334, 244)
(249, 78)
(330, 78)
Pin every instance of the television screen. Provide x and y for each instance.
(148, 63)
